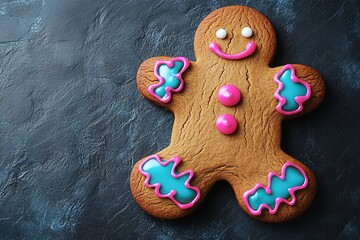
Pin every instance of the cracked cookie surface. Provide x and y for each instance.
(244, 156)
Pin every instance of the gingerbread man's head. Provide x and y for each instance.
(235, 33)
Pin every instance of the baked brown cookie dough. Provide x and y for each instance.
(228, 108)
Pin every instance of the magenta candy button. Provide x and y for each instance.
(229, 95)
(226, 124)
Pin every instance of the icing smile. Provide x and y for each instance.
(250, 49)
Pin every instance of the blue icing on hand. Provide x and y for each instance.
(279, 189)
(162, 175)
(170, 80)
(169, 74)
(291, 90)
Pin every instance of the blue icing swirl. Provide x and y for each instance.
(170, 80)
(279, 189)
(162, 174)
(290, 91)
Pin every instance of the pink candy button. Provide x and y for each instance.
(229, 95)
(226, 124)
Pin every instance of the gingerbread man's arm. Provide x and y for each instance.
(305, 81)
(160, 79)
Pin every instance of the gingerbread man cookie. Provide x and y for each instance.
(228, 108)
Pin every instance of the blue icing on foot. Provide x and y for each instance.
(162, 175)
(290, 91)
(169, 79)
(279, 189)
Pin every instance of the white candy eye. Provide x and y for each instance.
(246, 32)
(221, 33)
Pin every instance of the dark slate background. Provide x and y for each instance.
(72, 123)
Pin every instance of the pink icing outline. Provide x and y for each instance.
(299, 99)
(168, 90)
(172, 193)
(268, 191)
(250, 49)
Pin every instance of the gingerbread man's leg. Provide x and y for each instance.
(280, 189)
(168, 185)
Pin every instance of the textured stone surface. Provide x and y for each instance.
(72, 122)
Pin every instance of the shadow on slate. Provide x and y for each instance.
(72, 122)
